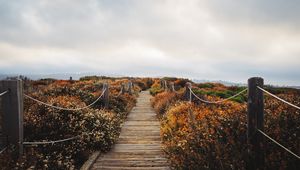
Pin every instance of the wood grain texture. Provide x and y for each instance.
(139, 145)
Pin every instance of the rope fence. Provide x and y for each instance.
(220, 101)
(255, 112)
(280, 99)
(3, 150)
(15, 100)
(62, 108)
(51, 142)
(121, 91)
(255, 117)
(277, 143)
(3, 93)
(68, 109)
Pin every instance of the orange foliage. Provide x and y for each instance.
(162, 100)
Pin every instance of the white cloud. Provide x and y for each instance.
(202, 39)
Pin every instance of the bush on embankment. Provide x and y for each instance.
(209, 136)
(95, 128)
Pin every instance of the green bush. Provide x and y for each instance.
(206, 85)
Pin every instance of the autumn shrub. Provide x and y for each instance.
(205, 137)
(222, 94)
(282, 122)
(95, 128)
(142, 84)
(156, 88)
(213, 136)
(181, 82)
(121, 105)
(162, 100)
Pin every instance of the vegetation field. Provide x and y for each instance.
(214, 136)
(195, 135)
(94, 128)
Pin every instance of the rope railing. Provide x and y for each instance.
(255, 107)
(3, 93)
(51, 142)
(278, 98)
(277, 143)
(264, 134)
(3, 150)
(62, 108)
(17, 100)
(122, 88)
(219, 101)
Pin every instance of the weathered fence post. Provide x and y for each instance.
(12, 106)
(129, 87)
(161, 84)
(188, 93)
(172, 88)
(165, 85)
(106, 95)
(255, 121)
(122, 88)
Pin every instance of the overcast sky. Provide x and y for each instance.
(205, 39)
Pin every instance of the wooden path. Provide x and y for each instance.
(139, 145)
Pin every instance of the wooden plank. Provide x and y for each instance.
(135, 159)
(143, 123)
(122, 155)
(139, 145)
(132, 163)
(129, 168)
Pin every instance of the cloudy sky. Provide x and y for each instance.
(205, 39)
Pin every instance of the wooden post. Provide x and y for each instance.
(161, 84)
(122, 88)
(12, 105)
(165, 85)
(129, 87)
(106, 95)
(255, 121)
(172, 88)
(187, 93)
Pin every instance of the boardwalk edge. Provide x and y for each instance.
(88, 164)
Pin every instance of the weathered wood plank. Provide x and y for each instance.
(130, 168)
(139, 144)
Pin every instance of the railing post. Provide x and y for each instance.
(12, 105)
(106, 95)
(129, 87)
(172, 88)
(255, 121)
(162, 84)
(187, 93)
(165, 85)
(122, 88)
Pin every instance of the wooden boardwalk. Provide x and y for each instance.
(139, 145)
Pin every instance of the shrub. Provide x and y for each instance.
(97, 129)
(206, 85)
(181, 82)
(205, 137)
(155, 88)
(162, 100)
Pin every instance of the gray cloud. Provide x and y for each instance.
(202, 39)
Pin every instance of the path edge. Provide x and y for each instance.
(88, 164)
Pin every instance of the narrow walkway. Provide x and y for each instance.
(139, 144)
